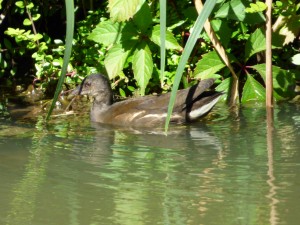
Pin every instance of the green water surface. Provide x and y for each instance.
(222, 170)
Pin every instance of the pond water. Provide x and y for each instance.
(226, 169)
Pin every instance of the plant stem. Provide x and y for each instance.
(269, 79)
(222, 53)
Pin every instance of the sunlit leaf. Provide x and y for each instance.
(283, 81)
(256, 7)
(142, 66)
(30, 5)
(256, 43)
(291, 28)
(236, 10)
(253, 91)
(122, 10)
(26, 22)
(170, 42)
(208, 65)
(36, 17)
(20, 4)
(115, 60)
(296, 59)
(225, 88)
(106, 33)
(143, 17)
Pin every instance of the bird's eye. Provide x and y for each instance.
(87, 84)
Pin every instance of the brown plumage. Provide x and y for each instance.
(191, 104)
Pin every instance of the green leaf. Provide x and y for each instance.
(30, 6)
(236, 10)
(208, 65)
(253, 91)
(36, 17)
(225, 88)
(115, 60)
(256, 43)
(143, 17)
(283, 81)
(27, 22)
(290, 29)
(122, 10)
(37, 37)
(106, 33)
(57, 62)
(14, 32)
(142, 66)
(296, 59)
(122, 92)
(170, 42)
(223, 31)
(222, 12)
(20, 4)
(256, 7)
(129, 36)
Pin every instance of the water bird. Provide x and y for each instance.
(146, 111)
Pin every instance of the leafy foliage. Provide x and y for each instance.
(121, 38)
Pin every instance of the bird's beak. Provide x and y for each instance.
(76, 91)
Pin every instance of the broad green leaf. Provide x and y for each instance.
(253, 91)
(238, 9)
(170, 42)
(122, 10)
(208, 65)
(256, 43)
(129, 36)
(143, 17)
(142, 66)
(222, 12)
(115, 60)
(225, 88)
(283, 81)
(223, 31)
(296, 59)
(235, 10)
(106, 33)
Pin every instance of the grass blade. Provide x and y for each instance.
(68, 48)
(206, 11)
(163, 12)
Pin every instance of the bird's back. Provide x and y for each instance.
(151, 110)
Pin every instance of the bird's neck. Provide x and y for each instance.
(102, 98)
(98, 109)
